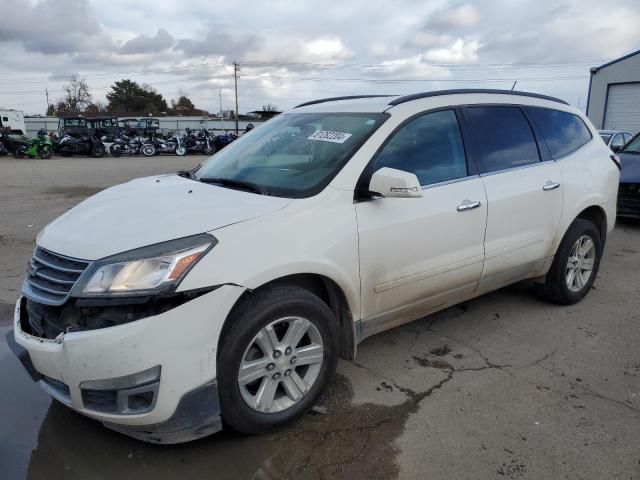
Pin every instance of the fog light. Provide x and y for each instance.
(128, 395)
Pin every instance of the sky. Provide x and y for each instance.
(293, 51)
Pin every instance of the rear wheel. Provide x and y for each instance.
(575, 264)
(210, 150)
(276, 357)
(19, 151)
(148, 150)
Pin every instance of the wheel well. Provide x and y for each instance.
(330, 293)
(596, 216)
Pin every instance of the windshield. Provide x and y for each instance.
(605, 137)
(293, 155)
(633, 146)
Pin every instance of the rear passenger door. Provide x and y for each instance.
(524, 193)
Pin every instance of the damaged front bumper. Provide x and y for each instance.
(152, 379)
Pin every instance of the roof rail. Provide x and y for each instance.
(437, 93)
(333, 99)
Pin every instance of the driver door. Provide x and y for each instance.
(418, 255)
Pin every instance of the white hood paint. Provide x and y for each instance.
(147, 211)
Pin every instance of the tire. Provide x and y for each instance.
(115, 150)
(557, 288)
(45, 153)
(238, 343)
(181, 151)
(97, 151)
(148, 150)
(19, 152)
(209, 150)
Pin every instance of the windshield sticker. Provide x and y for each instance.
(329, 136)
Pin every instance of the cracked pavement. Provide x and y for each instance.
(503, 386)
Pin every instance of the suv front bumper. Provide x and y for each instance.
(179, 344)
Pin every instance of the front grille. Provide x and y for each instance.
(630, 191)
(50, 277)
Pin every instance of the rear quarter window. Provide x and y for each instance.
(563, 132)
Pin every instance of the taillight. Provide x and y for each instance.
(616, 160)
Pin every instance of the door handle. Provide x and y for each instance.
(550, 186)
(467, 205)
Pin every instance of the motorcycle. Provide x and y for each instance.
(3, 149)
(172, 144)
(221, 141)
(39, 146)
(124, 145)
(85, 145)
(201, 142)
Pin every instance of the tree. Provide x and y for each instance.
(128, 96)
(183, 105)
(94, 108)
(76, 97)
(269, 107)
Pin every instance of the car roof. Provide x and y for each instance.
(382, 103)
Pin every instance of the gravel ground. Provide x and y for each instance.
(502, 386)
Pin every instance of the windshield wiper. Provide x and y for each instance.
(231, 183)
(186, 174)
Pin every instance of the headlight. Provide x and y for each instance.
(148, 270)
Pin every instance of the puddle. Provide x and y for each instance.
(44, 439)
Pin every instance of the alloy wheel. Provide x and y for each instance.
(281, 364)
(580, 263)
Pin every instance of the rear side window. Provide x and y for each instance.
(503, 137)
(563, 132)
(429, 146)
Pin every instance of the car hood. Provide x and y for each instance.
(147, 211)
(630, 168)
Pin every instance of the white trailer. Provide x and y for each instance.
(13, 120)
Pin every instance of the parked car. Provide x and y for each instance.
(629, 190)
(614, 139)
(229, 292)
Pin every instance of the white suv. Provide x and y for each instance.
(166, 304)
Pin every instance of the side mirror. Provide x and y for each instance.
(393, 183)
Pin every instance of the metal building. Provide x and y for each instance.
(614, 94)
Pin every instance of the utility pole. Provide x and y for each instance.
(221, 120)
(46, 92)
(236, 69)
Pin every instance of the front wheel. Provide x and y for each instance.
(276, 357)
(575, 264)
(97, 151)
(181, 151)
(115, 150)
(209, 150)
(45, 153)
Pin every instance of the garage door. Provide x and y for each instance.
(623, 108)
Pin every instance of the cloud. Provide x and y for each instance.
(457, 17)
(52, 26)
(460, 52)
(144, 44)
(220, 43)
